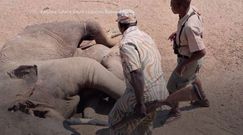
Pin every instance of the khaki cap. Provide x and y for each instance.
(126, 16)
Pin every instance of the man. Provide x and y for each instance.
(141, 63)
(190, 49)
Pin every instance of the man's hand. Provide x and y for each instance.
(180, 69)
(172, 36)
(140, 110)
(137, 81)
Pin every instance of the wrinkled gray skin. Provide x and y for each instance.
(56, 89)
(108, 57)
(53, 92)
(96, 52)
(50, 41)
(112, 62)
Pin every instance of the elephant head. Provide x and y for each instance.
(51, 41)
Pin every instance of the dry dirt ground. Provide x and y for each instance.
(222, 73)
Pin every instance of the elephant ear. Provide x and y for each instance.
(28, 73)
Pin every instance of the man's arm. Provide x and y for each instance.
(131, 58)
(137, 80)
(195, 56)
(172, 36)
(196, 46)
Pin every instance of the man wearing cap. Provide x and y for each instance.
(141, 63)
(190, 49)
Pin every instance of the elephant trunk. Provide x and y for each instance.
(98, 33)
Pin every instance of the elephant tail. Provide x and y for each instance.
(85, 121)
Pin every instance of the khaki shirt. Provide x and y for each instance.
(191, 35)
(138, 50)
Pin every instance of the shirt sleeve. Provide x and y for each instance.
(130, 57)
(194, 37)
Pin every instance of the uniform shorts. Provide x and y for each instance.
(177, 82)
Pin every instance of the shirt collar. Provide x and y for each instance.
(130, 29)
(185, 18)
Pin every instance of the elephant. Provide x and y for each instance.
(50, 41)
(112, 61)
(55, 90)
(19, 123)
(96, 52)
(41, 72)
(108, 57)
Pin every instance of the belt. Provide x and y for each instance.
(183, 56)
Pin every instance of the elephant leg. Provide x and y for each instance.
(100, 78)
(70, 106)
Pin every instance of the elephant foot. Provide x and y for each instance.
(89, 112)
(97, 106)
(91, 105)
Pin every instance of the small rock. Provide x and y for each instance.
(46, 8)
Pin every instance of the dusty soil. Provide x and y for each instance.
(222, 73)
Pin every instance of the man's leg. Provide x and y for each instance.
(184, 94)
(123, 105)
(190, 93)
(202, 101)
(174, 84)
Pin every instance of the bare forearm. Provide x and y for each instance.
(138, 85)
(195, 56)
